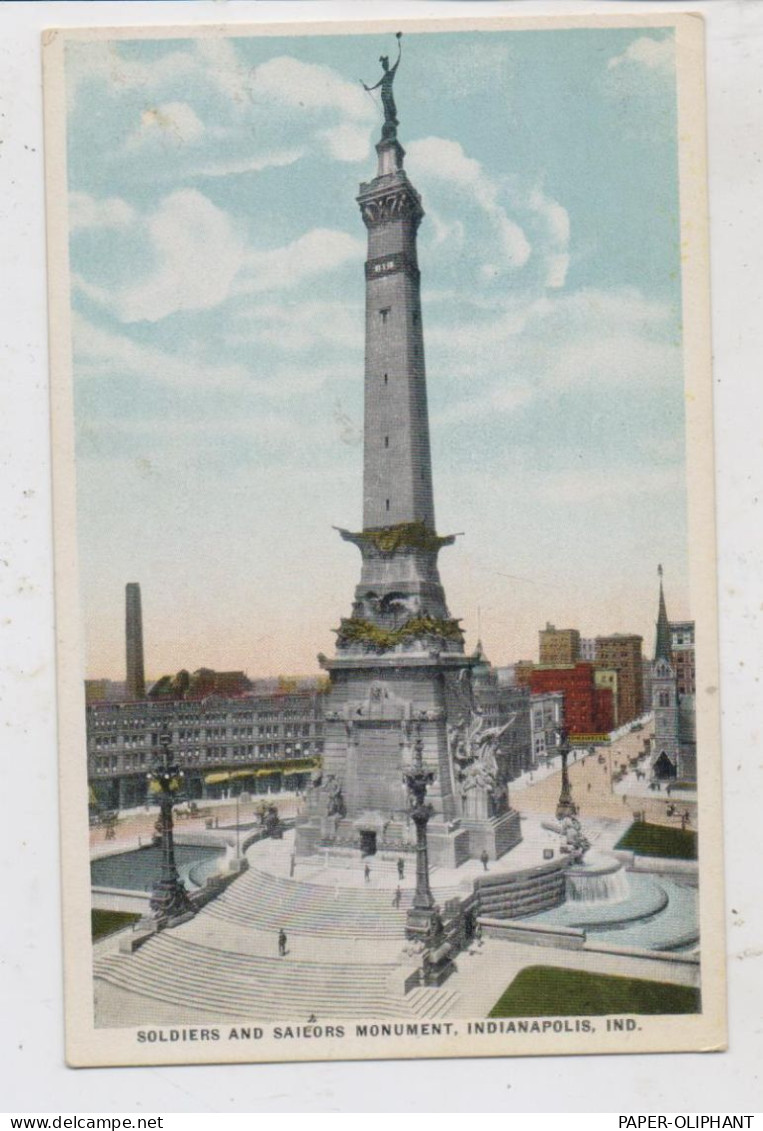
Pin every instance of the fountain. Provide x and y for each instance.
(655, 912)
(600, 878)
(609, 903)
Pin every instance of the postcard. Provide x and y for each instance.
(384, 532)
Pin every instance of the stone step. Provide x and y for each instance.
(362, 896)
(430, 1002)
(223, 983)
(259, 899)
(216, 1003)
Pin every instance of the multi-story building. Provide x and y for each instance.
(546, 717)
(500, 703)
(682, 655)
(607, 678)
(622, 653)
(254, 743)
(588, 709)
(588, 649)
(105, 691)
(522, 670)
(559, 645)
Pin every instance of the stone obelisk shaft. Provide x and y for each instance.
(397, 472)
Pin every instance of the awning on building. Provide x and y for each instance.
(266, 769)
(216, 779)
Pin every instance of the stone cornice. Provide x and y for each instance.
(390, 200)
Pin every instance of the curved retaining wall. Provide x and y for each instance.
(513, 895)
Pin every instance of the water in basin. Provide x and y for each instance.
(138, 869)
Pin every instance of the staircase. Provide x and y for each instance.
(223, 984)
(432, 1004)
(269, 902)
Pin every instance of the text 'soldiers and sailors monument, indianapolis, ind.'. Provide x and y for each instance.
(400, 683)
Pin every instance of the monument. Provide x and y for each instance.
(400, 683)
(136, 680)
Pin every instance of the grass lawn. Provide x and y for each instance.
(545, 991)
(657, 840)
(104, 923)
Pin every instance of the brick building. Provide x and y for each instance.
(558, 645)
(622, 654)
(588, 709)
(606, 678)
(682, 655)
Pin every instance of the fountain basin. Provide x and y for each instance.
(659, 914)
(138, 869)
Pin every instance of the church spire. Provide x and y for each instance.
(662, 644)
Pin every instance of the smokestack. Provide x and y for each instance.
(136, 679)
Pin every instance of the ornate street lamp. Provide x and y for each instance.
(422, 915)
(565, 807)
(169, 902)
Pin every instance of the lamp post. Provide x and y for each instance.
(169, 900)
(422, 915)
(565, 807)
(238, 840)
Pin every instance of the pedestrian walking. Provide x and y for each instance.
(367, 873)
(484, 858)
(397, 897)
(281, 943)
(400, 868)
(292, 862)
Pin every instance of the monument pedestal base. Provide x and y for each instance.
(419, 923)
(493, 835)
(449, 843)
(439, 972)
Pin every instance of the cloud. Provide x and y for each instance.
(309, 86)
(197, 257)
(99, 353)
(451, 232)
(578, 488)
(497, 225)
(557, 229)
(654, 54)
(588, 340)
(87, 212)
(503, 398)
(202, 95)
(301, 325)
(277, 159)
(317, 251)
(101, 60)
(173, 122)
(347, 141)
(196, 253)
(445, 160)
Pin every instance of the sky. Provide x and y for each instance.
(217, 295)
